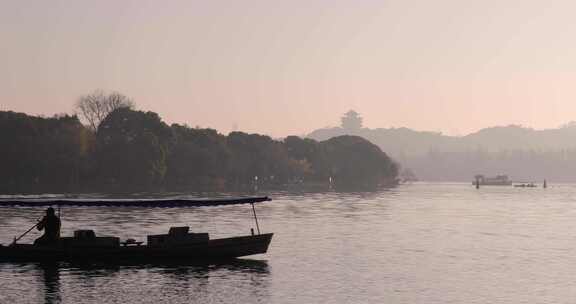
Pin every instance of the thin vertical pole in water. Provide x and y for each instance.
(255, 218)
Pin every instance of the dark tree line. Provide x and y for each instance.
(136, 151)
(41, 153)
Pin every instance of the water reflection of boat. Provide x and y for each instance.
(104, 268)
(195, 275)
(177, 245)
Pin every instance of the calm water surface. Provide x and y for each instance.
(419, 243)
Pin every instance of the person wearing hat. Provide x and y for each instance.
(51, 226)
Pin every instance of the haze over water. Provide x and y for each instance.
(418, 243)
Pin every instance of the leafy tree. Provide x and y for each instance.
(311, 156)
(17, 131)
(131, 149)
(40, 153)
(259, 156)
(59, 150)
(357, 163)
(198, 159)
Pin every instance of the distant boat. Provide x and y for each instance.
(498, 180)
(526, 185)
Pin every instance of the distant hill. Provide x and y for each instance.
(523, 153)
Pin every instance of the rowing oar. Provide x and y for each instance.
(27, 231)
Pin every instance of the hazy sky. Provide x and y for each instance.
(288, 67)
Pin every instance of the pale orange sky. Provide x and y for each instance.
(288, 67)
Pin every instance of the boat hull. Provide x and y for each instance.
(217, 249)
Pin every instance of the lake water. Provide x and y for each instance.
(418, 243)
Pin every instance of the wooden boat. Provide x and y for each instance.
(178, 244)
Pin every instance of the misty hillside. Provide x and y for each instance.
(523, 153)
(398, 141)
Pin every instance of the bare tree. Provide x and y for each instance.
(94, 107)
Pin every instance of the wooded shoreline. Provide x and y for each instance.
(135, 151)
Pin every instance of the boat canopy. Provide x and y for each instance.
(154, 203)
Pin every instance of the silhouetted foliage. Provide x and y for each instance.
(357, 163)
(94, 107)
(312, 157)
(131, 148)
(136, 151)
(258, 157)
(199, 158)
(40, 153)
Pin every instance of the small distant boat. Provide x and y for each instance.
(526, 185)
(177, 244)
(498, 180)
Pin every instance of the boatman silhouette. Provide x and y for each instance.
(51, 226)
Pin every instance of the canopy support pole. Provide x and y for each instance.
(255, 218)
